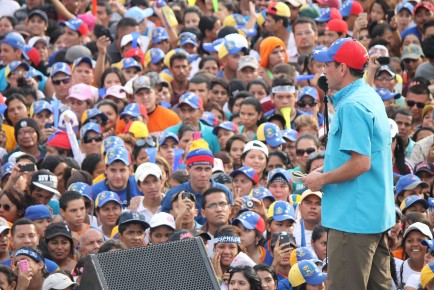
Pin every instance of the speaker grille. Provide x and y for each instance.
(177, 265)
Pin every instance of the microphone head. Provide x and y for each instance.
(322, 84)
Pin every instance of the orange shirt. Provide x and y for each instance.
(160, 119)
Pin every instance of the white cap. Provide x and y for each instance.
(146, 169)
(16, 155)
(34, 39)
(421, 227)
(218, 166)
(57, 281)
(128, 38)
(162, 219)
(4, 225)
(257, 145)
(393, 128)
(308, 192)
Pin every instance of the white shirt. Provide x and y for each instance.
(406, 271)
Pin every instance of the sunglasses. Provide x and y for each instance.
(308, 151)
(303, 104)
(364, 37)
(6, 206)
(57, 82)
(88, 140)
(419, 105)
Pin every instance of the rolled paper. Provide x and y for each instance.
(178, 159)
(286, 113)
(191, 2)
(152, 154)
(56, 112)
(301, 78)
(215, 5)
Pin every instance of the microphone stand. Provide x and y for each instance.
(322, 84)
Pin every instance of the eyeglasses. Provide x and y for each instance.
(363, 37)
(214, 205)
(303, 104)
(385, 78)
(148, 142)
(6, 206)
(57, 82)
(24, 132)
(88, 140)
(308, 151)
(18, 73)
(408, 60)
(419, 105)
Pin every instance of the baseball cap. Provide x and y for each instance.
(17, 156)
(36, 212)
(256, 145)
(84, 59)
(308, 192)
(15, 40)
(133, 217)
(110, 142)
(310, 10)
(337, 25)
(57, 229)
(132, 109)
(428, 243)
(302, 254)
(159, 34)
(38, 12)
(138, 129)
(235, 20)
(166, 59)
(409, 182)
(62, 67)
(330, 3)
(262, 192)
(227, 125)
(80, 92)
(57, 281)
(40, 105)
(308, 91)
(280, 211)
(129, 62)
(77, 51)
(133, 37)
(271, 134)
(38, 39)
(424, 4)
(162, 219)
(6, 169)
(247, 171)
(154, 56)
(412, 199)
(426, 274)
(344, 50)
(90, 126)
(387, 68)
(278, 172)
(211, 47)
(296, 3)
(188, 234)
(76, 24)
(251, 221)
(393, 128)
(421, 227)
(135, 52)
(233, 44)
(328, 13)
(142, 82)
(13, 65)
(138, 14)
(351, 7)
(146, 169)
(106, 196)
(385, 94)
(192, 100)
(187, 37)
(209, 119)
(83, 188)
(412, 51)
(93, 114)
(117, 154)
(424, 166)
(163, 137)
(290, 134)
(405, 5)
(248, 61)
(46, 180)
(4, 225)
(279, 9)
(306, 272)
(116, 91)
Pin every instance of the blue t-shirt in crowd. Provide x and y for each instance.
(132, 188)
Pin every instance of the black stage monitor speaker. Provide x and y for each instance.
(176, 265)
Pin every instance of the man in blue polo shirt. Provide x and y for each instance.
(118, 176)
(357, 179)
(199, 162)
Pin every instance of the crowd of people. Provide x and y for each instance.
(134, 123)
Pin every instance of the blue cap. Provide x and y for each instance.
(187, 37)
(117, 154)
(34, 73)
(133, 217)
(409, 182)
(209, 118)
(62, 67)
(112, 141)
(37, 212)
(6, 169)
(276, 172)
(227, 125)
(40, 105)
(261, 192)
(159, 34)
(93, 113)
(90, 127)
(305, 254)
(280, 211)
(385, 94)
(138, 14)
(405, 5)
(107, 196)
(132, 109)
(130, 62)
(192, 100)
(308, 91)
(428, 243)
(251, 221)
(212, 47)
(290, 134)
(13, 65)
(163, 137)
(247, 171)
(270, 133)
(76, 24)
(15, 40)
(84, 59)
(306, 272)
(83, 188)
(412, 199)
(156, 55)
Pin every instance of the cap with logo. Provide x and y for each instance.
(62, 67)
(409, 182)
(278, 172)
(279, 9)
(116, 91)
(83, 188)
(247, 171)
(387, 68)
(351, 7)
(154, 56)
(57, 281)
(328, 13)
(90, 126)
(306, 272)
(192, 100)
(280, 211)
(385, 94)
(132, 109)
(162, 219)
(410, 201)
(117, 154)
(133, 217)
(187, 37)
(256, 145)
(146, 169)
(106, 196)
(46, 180)
(77, 25)
(81, 92)
(405, 5)
(302, 254)
(424, 166)
(159, 34)
(262, 192)
(251, 221)
(110, 142)
(412, 51)
(40, 105)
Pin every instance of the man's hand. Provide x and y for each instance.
(314, 180)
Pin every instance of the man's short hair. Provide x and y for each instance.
(427, 25)
(20, 222)
(285, 20)
(418, 89)
(176, 56)
(104, 4)
(68, 196)
(403, 111)
(200, 79)
(303, 20)
(211, 191)
(126, 23)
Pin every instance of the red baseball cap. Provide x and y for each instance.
(424, 4)
(337, 25)
(329, 3)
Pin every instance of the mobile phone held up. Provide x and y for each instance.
(24, 265)
(284, 239)
(27, 167)
(197, 135)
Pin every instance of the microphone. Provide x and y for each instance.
(322, 84)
